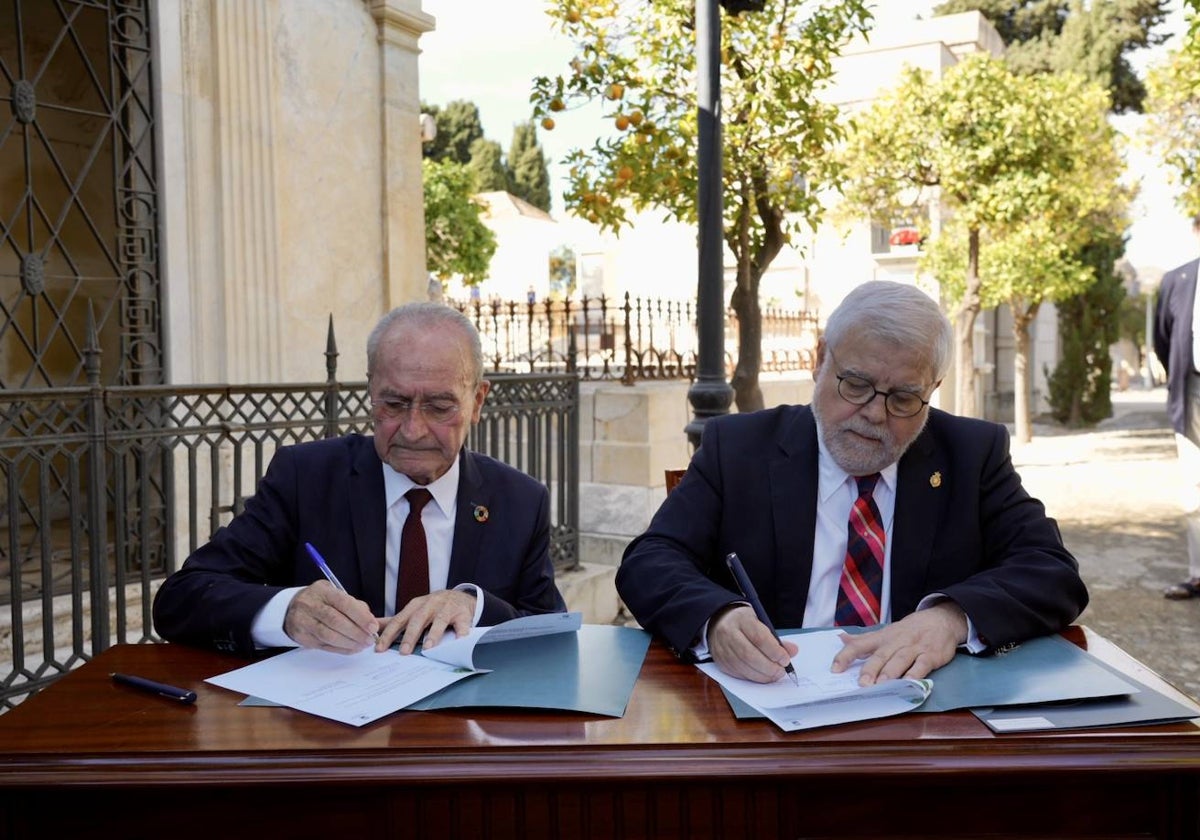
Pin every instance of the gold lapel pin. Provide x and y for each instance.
(481, 513)
(935, 480)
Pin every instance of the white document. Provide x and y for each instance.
(363, 687)
(461, 652)
(823, 697)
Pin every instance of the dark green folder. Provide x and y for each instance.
(1048, 669)
(591, 670)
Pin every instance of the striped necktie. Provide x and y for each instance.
(861, 585)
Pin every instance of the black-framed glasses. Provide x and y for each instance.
(858, 391)
(434, 411)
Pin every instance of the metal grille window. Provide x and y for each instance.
(78, 195)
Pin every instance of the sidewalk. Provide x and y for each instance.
(1113, 491)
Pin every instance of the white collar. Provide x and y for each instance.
(444, 489)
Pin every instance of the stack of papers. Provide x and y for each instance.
(1043, 683)
(363, 687)
(822, 698)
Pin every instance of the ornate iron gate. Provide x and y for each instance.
(78, 193)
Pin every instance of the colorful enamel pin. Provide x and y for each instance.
(481, 513)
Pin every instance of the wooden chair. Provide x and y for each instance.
(671, 478)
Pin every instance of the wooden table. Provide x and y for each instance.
(90, 756)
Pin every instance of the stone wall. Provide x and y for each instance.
(629, 436)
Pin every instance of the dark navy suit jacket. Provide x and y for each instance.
(1173, 335)
(963, 526)
(331, 493)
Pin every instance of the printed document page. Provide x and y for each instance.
(461, 652)
(355, 689)
(363, 687)
(823, 697)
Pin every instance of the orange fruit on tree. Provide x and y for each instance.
(548, 124)
(557, 104)
(616, 90)
(622, 122)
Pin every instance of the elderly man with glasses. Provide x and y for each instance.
(867, 508)
(359, 541)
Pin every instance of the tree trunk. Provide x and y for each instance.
(1022, 413)
(747, 393)
(964, 364)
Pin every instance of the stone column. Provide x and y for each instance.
(249, 230)
(401, 24)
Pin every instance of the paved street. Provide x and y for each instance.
(1113, 491)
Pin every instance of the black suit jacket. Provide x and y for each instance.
(963, 526)
(331, 493)
(1173, 336)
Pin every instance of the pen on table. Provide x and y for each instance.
(748, 592)
(183, 695)
(328, 572)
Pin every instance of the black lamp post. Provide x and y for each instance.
(710, 395)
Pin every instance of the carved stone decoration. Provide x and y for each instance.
(33, 274)
(24, 101)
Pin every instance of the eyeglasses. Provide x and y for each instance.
(434, 411)
(858, 391)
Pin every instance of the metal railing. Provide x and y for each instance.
(638, 339)
(106, 490)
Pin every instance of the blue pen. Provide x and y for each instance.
(328, 572)
(325, 570)
(748, 592)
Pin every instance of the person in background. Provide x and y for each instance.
(1176, 319)
(423, 534)
(866, 508)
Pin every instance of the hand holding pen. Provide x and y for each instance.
(329, 575)
(751, 595)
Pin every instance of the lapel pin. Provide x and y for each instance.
(480, 513)
(935, 480)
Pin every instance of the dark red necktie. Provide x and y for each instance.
(412, 579)
(861, 585)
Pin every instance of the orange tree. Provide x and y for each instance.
(637, 59)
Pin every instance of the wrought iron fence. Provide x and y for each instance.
(105, 490)
(640, 338)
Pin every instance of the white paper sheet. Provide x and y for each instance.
(363, 687)
(355, 689)
(822, 697)
(455, 651)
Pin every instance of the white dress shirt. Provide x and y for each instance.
(437, 518)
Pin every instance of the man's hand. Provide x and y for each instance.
(912, 647)
(321, 616)
(744, 647)
(429, 615)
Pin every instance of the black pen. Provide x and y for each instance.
(748, 592)
(183, 695)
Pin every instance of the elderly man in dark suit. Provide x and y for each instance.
(419, 533)
(866, 508)
(1175, 324)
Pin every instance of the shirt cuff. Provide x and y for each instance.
(478, 593)
(267, 628)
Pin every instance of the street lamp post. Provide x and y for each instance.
(710, 395)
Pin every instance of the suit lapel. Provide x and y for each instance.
(368, 514)
(792, 490)
(921, 492)
(468, 528)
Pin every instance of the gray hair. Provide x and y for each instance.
(896, 312)
(427, 315)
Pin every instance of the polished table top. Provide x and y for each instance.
(85, 729)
